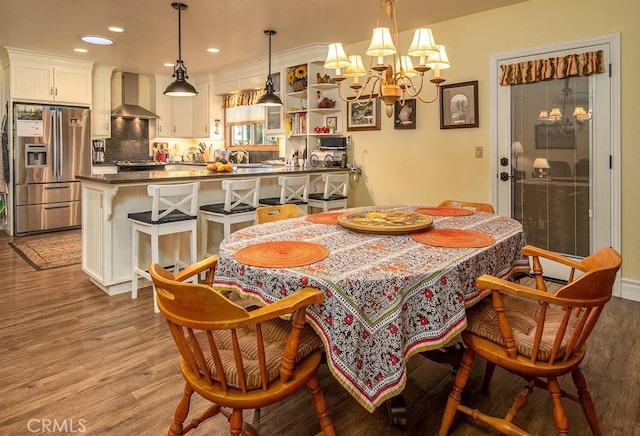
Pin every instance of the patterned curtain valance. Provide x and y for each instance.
(243, 98)
(583, 64)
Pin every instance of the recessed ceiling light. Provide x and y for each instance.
(116, 29)
(168, 64)
(80, 50)
(97, 40)
(213, 50)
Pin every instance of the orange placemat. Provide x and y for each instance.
(281, 254)
(453, 238)
(324, 218)
(444, 211)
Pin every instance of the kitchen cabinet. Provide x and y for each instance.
(201, 119)
(175, 113)
(103, 169)
(311, 110)
(41, 77)
(101, 107)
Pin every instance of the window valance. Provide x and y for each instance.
(582, 64)
(246, 98)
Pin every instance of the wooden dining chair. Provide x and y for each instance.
(482, 207)
(237, 359)
(267, 214)
(537, 335)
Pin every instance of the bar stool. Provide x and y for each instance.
(180, 215)
(334, 195)
(241, 199)
(293, 190)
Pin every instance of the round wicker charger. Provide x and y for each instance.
(281, 254)
(444, 211)
(324, 218)
(453, 238)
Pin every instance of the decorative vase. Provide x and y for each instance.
(299, 85)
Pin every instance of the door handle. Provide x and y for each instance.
(56, 207)
(47, 188)
(504, 176)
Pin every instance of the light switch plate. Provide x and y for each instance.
(479, 152)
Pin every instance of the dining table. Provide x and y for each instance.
(387, 295)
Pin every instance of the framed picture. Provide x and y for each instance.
(363, 114)
(459, 105)
(552, 136)
(404, 114)
(332, 123)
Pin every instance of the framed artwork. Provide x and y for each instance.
(552, 136)
(332, 123)
(459, 105)
(404, 114)
(363, 114)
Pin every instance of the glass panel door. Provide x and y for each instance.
(554, 146)
(551, 184)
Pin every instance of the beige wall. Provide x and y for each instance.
(426, 165)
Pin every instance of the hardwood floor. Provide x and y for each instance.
(72, 354)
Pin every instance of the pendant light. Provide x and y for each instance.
(180, 87)
(269, 98)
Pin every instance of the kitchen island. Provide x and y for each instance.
(107, 199)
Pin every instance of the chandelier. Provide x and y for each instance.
(391, 82)
(556, 115)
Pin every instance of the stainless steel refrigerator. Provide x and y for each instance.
(52, 146)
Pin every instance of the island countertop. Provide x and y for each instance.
(134, 177)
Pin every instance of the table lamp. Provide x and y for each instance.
(541, 164)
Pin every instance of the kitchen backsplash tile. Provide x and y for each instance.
(129, 140)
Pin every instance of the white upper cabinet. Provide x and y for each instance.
(201, 118)
(46, 78)
(182, 109)
(101, 107)
(175, 113)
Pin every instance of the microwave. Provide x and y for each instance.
(333, 143)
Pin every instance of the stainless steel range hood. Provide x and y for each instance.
(129, 107)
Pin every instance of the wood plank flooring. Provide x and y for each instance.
(72, 353)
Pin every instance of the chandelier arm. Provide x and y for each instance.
(359, 92)
(434, 98)
(418, 90)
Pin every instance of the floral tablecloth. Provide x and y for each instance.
(386, 297)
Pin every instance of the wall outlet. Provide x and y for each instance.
(479, 152)
(349, 142)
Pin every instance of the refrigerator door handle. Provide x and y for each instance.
(54, 139)
(60, 145)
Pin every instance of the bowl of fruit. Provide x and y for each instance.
(220, 166)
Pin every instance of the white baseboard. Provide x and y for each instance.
(630, 289)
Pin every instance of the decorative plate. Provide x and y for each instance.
(324, 218)
(388, 222)
(444, 211)
(453, 238)
(281, 254)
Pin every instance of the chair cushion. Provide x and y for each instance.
(320, 196)
(275, 333)
(173, 217)
(219, 208)
(482, 320)
(275, 201)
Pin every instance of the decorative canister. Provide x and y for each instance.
(299, 85)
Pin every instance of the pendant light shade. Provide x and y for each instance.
(269, 98)
(180, 87)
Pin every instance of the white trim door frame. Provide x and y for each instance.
(605, 229)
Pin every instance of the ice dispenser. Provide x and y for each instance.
(36, 155)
